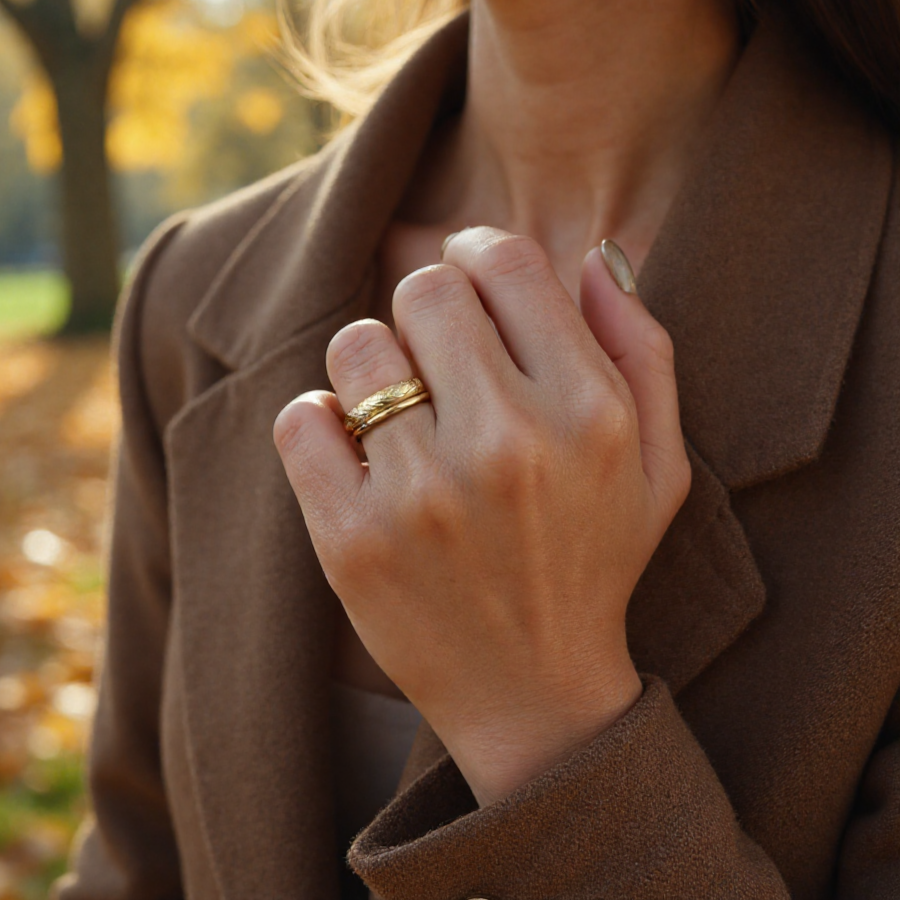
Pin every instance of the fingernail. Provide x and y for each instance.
(619, 266)
(447, 241)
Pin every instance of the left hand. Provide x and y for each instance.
(487, 552)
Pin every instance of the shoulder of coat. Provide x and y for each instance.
(174, 270)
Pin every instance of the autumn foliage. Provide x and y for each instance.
(169, 60)
(197, 105)
(58, 417)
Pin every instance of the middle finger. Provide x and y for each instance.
(540, 325)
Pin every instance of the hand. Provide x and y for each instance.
(486, 553)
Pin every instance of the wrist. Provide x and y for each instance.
(500, 757)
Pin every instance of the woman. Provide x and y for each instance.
(655, 653)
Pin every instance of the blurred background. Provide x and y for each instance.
(113, 114)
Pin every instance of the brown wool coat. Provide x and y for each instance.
(761, 761)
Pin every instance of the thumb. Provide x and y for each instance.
(642, 351)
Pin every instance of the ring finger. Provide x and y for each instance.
(363, 358)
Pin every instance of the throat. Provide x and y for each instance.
(580, 123)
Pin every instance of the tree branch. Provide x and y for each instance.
(48, 25)
(110, 36)
(23, 15)
(53, 16)
(117, 14)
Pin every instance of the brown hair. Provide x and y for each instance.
(861, 39)
(347, 51)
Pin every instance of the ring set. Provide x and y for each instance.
(383, 404)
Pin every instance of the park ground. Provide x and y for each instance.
(58, 418)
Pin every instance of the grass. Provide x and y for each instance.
(51, 787)
(38, 817)
(33, 303)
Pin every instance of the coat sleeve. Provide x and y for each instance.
(868, 866)
(639, 813)
(127, 848)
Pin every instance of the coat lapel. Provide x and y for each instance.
(759, 274)
(313, 249)
(676, 626)
(252, 610)
(762, 318)
(762, 266)
(254, 616)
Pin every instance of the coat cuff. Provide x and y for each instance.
(639, 813)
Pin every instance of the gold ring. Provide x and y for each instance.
(385, 403)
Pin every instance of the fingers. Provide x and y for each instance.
(451, 339)
(362, 358)
(536, 318)
(320, 461)
(642, 351)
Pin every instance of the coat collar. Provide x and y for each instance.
(759, 272)
(313, 249)
(762, 266)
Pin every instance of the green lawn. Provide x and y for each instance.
(39, 814)
(33, 302)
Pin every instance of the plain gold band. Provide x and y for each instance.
(387, 413)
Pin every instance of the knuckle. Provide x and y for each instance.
(428, 288)
(587, 400)
(610, 419)
(362, 349)
(512, 457)
(434, 503)
(659, 344)
(605, 411)
(619, 421)
(292, 430)
(682, 479)
(359, 548)
(512, 258)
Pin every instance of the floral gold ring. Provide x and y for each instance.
(383, 404)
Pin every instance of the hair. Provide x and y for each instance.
(348, 50)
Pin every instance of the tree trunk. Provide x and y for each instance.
(89, 234)
(78, 66)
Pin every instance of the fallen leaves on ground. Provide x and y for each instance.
(58, 418)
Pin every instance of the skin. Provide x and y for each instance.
(486, 550)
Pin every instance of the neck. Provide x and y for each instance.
(581, 116)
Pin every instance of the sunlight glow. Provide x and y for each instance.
(43, 547)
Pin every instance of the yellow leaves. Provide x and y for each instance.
(61, 712)
(22, 367)
(55, 433)
(33, 119)
(168, 61)
(259, 110)
(257, 33)
(91, 15)
(58, 414)
(93, 420)
(19, 691)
